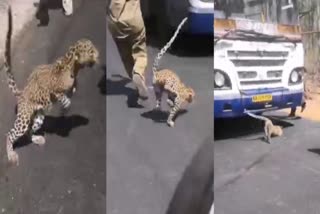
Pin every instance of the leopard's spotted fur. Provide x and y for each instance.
(178, 93)
(46, 85)
(168, 81)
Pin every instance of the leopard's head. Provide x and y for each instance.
(190, 94)
(86, 53)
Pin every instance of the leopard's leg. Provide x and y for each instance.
(21, 126)
(170, 103)
(37, 123)
(65, 101)
(38, 139)
(173, 111)
(170, 88)
(74, 87)
(170, 100)
(158, 93)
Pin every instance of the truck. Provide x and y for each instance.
(168, 14)
(258, 57)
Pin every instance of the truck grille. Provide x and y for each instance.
(259, 82)
(251, 77)
(257, 58)
(233, 53)
(258, 67)
(258, 62)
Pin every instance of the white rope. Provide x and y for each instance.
(167, 46)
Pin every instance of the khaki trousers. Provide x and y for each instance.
(127, 27)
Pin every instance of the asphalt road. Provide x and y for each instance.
(253, 177)
(152, 168)
(68, 174)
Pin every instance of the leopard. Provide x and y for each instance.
(166, 80)
(270, 129)
(46, 85)
(179, 94)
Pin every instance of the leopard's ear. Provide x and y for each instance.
(76, 56)
(190, 95)
(190, 98)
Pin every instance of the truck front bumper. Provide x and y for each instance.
(234, 106)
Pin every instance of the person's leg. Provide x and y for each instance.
(124, 49)
(128, 30)
(304, 96)
(139, 53)
(293, 112)
(139, 46)
(115, 8)
(67, 7)
(303, 107)
(304, 103)
(120, 32)
(43, 13)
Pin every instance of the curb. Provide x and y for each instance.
(23, 12)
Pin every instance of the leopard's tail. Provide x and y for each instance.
(7, 61)
(167, 46)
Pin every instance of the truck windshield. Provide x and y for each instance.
(269, 11)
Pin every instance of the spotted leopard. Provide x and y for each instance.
(168, 81)
(178, 93)
(46, 85)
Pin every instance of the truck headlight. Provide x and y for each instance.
(221, 80)
(296, 76)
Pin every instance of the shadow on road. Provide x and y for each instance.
(160, 116)
(103, 81)
(239, 127)
(316, 151)
(194, 193)
(43, 10)
(118, 87)
(62, 126)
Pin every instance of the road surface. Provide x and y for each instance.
(152, 168)
(68, 174)
(253, 177)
